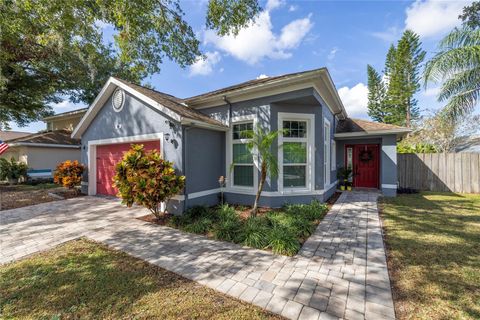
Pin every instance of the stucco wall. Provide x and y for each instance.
(204, 158)
(266, 110)
(135, 119)
(68, 123)
(49, 158)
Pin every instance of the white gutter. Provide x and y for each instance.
(371, 133)
(50, 145)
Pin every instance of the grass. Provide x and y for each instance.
(86, 280)
(282, 231)
(30, 187)
(433, 242)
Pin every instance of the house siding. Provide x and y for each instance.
(136, 118)
(266, 110)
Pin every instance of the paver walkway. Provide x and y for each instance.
(340, 271)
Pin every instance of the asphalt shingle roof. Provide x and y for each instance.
(358, 125)
(49, 137)
(173, 103)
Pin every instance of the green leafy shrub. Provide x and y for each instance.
(283, 241)
(144, 178)
(313, 211)
(12, 170)
(200, 226)
(228, 230)
(255, 232)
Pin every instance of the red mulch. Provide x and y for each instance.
(152, 219)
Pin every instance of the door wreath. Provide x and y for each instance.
(366, 155)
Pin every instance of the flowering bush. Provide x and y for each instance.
(144, 178)
(68, 174)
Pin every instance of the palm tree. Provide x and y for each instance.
(457, 65)
(260, 143)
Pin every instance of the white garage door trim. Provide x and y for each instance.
(92, 154)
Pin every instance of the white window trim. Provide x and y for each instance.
(327, 157)
(334, 155)
(92, 154)
(229, 157)
(310, 171)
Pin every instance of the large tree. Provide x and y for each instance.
(457, 66)
(402, 82)
(52, 49)
(376, 96)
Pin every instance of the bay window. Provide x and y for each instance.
(326, 152)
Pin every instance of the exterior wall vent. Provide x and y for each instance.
(118, 99)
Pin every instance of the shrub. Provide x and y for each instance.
(200, 226)
(313, 211)
(254, 232)
(283, 241)
(228, 230)
(144, 178)
(68, 174)
(229, 224)
(12, 170)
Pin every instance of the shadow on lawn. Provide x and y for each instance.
(433, 242)
(87, 282)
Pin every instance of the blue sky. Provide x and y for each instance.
(290, 36)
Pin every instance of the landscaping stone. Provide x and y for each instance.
(339, 272)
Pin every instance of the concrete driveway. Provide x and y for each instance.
(340, 271)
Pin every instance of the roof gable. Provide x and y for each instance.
(167, 104)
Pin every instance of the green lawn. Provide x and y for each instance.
(86, 280)
(433, 242)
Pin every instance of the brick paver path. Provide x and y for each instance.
(340, 271)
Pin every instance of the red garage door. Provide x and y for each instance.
(107, 158)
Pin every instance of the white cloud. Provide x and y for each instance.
(204, 65)
(273, 4)
(292, 8)
(332, 53)
(432, 17)
(389, 35)
(258, 41)
(262, 76)
(355, 100)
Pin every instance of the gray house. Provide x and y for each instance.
(201, 135)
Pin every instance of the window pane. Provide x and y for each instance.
(295, 129)
(294, 152)
(240, 129)
(294, 176)
(241, 154)
(349, 158)
(243, 176)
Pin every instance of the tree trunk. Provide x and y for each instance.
(408, 114)
(263, 177)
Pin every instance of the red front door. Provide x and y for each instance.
(107, 158)
(365, 160)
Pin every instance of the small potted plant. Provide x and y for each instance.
(349, 186)
(343, 175)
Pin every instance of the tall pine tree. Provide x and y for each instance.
(376, 95)
(402, 82)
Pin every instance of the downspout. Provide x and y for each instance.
(184, 164)
(229, 110)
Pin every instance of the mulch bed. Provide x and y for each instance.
(12, 197)
(242, 211)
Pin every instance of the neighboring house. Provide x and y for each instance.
(201, 135)
(65, 120)
(43, 151)
(468, 144)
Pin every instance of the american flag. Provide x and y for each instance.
(3, 146)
